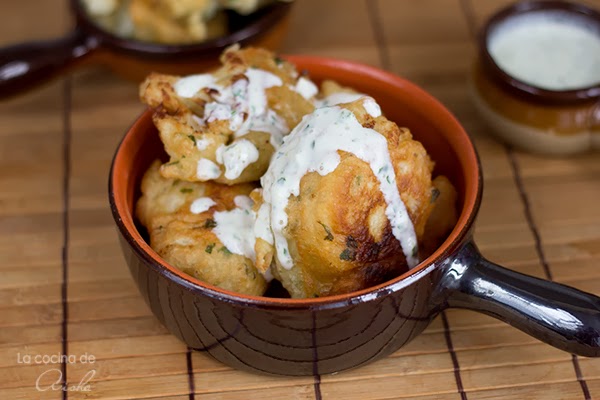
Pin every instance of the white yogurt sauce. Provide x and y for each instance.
(243, 103)
(190, 85)
(258, 82)
(549, 50)
(306, 88)
(253, 102)
(236, 157)
(338, 98)
(371, 107)
(216, 111)
(243, 202)
(201, 204)
(235, 228)
(313, 146)
(207, 170)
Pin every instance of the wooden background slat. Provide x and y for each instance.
(539, 216)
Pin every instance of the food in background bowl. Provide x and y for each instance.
(346, 197)
(89, 43)
(168, 21)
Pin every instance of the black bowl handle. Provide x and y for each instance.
(559, 315)
(27, 65)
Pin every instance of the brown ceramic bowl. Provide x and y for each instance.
(25, 66)
(554, 122)
(324, 335)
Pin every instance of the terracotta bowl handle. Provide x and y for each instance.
(27, 65)
(559, 315)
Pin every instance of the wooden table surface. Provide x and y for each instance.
(65, 288)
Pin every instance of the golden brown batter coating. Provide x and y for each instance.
(180, 131)
(186, 240)
(338, 234)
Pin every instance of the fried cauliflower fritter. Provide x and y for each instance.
(194, 127)
(186, 240)
(338, 234)
(190, 144)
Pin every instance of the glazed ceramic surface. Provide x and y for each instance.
(25, 66)
(325, 335)
(531, 118)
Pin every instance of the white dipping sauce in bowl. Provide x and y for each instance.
(548, 49)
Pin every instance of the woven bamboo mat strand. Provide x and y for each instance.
(65, 287)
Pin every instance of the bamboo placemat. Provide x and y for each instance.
(65, 288)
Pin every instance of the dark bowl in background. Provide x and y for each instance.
(25, 66)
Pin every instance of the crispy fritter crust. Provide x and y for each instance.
(186, 240)
(179, 132)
